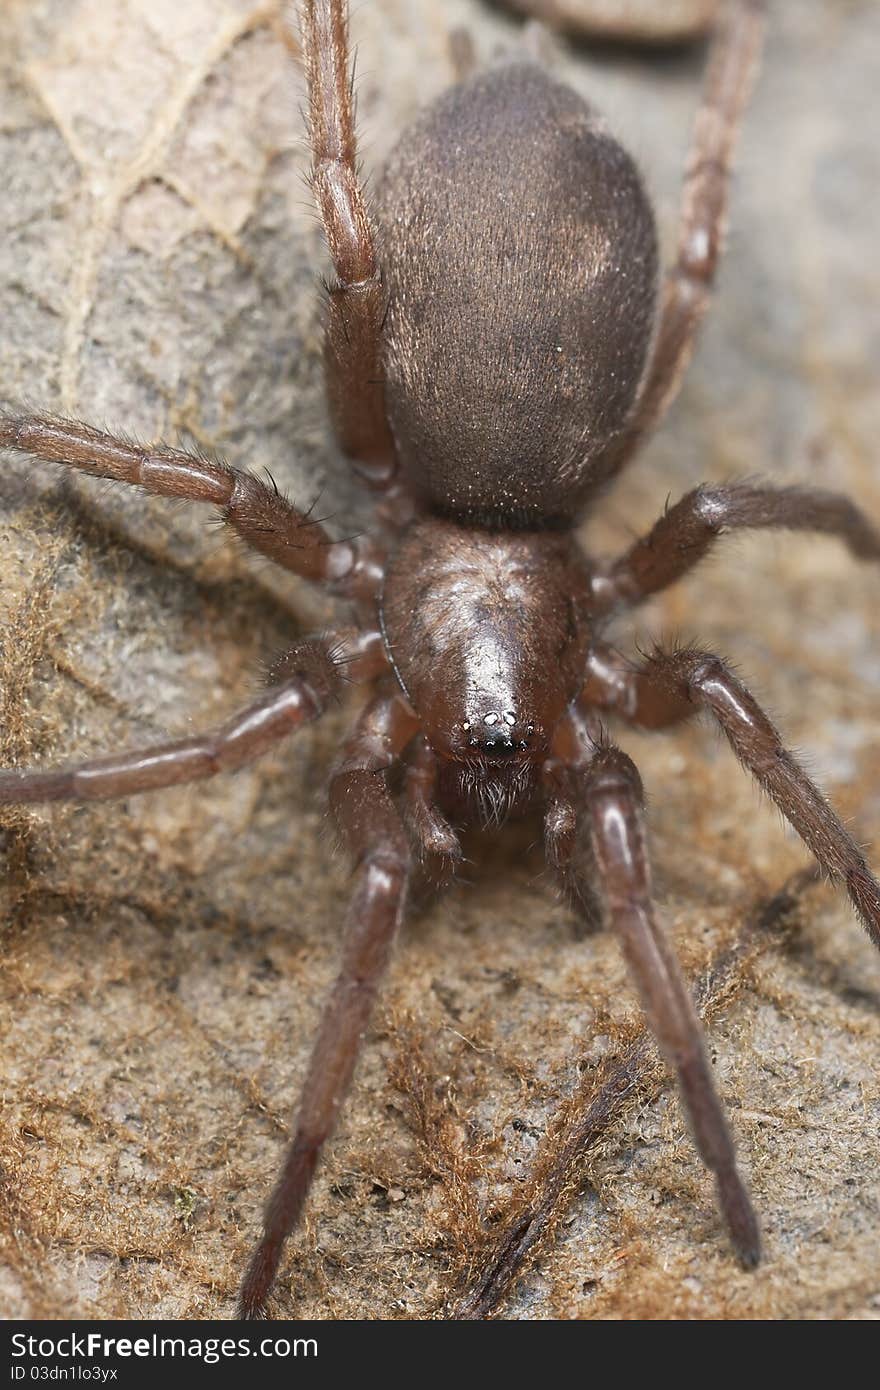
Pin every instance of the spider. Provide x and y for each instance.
(496, 350)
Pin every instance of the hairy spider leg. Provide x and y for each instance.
(612, 793)
(688, 531)
(356, 299)
(672, 686)
(373, 832)
(241, 740)
(596, 795)
(259, 514)
(731, 66)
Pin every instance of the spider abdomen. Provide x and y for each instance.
(520, 261)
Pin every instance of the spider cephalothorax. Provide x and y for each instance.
(463, 601)
(486, 380)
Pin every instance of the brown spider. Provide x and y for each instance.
(489, 369)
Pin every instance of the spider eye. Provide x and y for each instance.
(499, 735)
(501, 745)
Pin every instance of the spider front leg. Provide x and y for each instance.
(672, 686)
(374, 833)
(260, 515)
(681, 538)
(357, 302)
(313, 680)
(612, 798)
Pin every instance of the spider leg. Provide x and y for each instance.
(671, 686)
(313, 680)
(357, 653)
(639, 21)
(732, 62)
(260, 515)
(375, 835)
(686, 532)
(612, 795)
(438, 845)
(357, 302)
